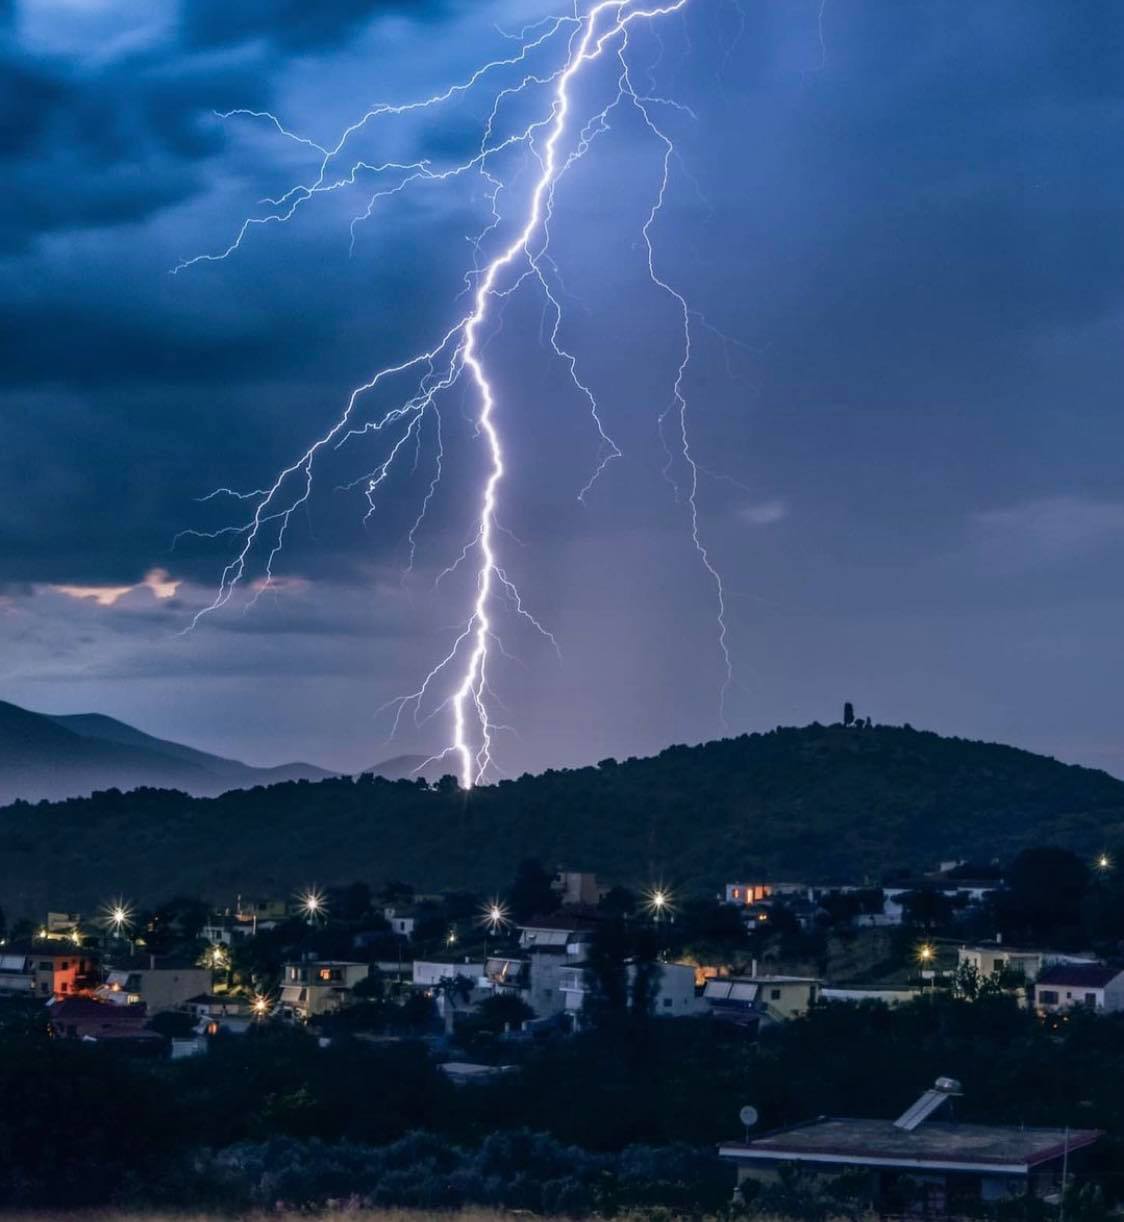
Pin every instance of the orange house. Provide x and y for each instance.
(60, 971)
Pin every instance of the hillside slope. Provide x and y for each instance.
(812, 803)
(58, 757)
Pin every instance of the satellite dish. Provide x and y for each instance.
(748, 1116)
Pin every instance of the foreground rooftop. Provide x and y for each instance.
(936, 1145)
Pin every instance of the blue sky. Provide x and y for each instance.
(897, 225)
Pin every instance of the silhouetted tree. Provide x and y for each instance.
(848, 713)
(531, 894)
(1043, 896)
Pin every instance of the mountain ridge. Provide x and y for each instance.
(58, 756)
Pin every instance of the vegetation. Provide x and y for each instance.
(822, 801)
(620, 1117)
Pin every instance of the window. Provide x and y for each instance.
(46, 967)
(1090, 999)
(775, 994)
(667, 1003)
(1048, 997)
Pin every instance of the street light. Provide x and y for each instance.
(1104, 863)
(260, 1006)
(117, 917)
(658, 903)
(313, 905)
(494, 917)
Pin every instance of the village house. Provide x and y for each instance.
(747, 1000)
(59, 970)
(17, 976)
(46, 969)
(217, 1005)
(746, 894)
(159, 983)
(919, 1167)
(403, 920)
(562, 933)
(675, 994)
(992, 958)
(428, 974)
(82, 1018)
(577, 889)
(62, 927)
(226, 931)
(319, 986)
(1065, 986)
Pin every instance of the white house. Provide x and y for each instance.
(428, 974)
(675, 995)
(1065, 986)
(992, 957)
(319, 986)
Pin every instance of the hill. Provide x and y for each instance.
(821, 802)
(44, 756)
(409, 768)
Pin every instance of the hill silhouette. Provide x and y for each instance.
(45, 756)
(816, 803)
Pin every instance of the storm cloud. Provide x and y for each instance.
(897, 226)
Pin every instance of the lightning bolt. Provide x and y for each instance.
(458, 354)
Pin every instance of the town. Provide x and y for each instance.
(491, 990)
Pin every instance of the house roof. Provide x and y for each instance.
(1078, 975)
(571, 921)
(842, 1140)
(86, 1010)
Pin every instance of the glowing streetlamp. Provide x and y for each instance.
(658, 904)
(117, 918)
(926, 957)
(260, 1006)
(1104, 863)
(312, 905)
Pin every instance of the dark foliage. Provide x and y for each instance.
(816, 802)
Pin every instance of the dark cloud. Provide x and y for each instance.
(294, 25)
(110, 147)
(908, 232)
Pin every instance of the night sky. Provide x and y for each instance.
(897, 224)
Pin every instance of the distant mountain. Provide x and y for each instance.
(820, 803)
(409, 768)
(45, 756)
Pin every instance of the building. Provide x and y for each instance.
(577, 889)
(59, 970)
(562, 933)
(82, 1018)
(1064, 986)
(46, 969)
(227, 930)
(217, 1005)
(918, 1167)
(993, 958)
(675, 993)
(403, 921)
(158, 983)
(16, 974)
(62, 927)
(319, 986)
(749, 999)
(747, 893)
(889, 994)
